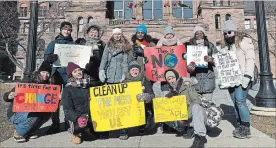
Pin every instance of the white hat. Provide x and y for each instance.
(116, 30)
(229, 26)
(198, 28)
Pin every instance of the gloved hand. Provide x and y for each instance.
(209, 59)
(245, 82)
(138, 51)
(191, 67)
(12, 95)
(102, 76)
(123, 78)
(147, 97)
(52, 58)
(82, 122)
(171, 94)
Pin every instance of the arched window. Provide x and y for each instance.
(217, 21)
(23, 10)
(228, 17)
(90, 19)
(185, 11)
(80, 24)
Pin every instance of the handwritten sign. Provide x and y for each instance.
(172, 109)
(77, 54)
(36, 97)
(115, 106)
(161, 59)
(229, 73)
(196, 54)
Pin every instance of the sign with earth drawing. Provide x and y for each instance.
(160, 59)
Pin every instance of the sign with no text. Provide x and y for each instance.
(170, 109)
(163, 58)
(36, 97)
(115, 106)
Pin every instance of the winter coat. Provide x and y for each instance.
(205, 76)
(50, 50)
(114, 63)
(75, 102)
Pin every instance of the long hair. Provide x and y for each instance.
(238, 38)
(206, 41)
(124, 43)
(36, 78)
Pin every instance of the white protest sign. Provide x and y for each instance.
(77, 54)
(229, 73)
(196, 54)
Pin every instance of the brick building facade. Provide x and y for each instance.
(155, 14)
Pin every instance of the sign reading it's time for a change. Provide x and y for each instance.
(115, 106)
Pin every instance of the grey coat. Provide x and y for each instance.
(206, 76)
(114, 63)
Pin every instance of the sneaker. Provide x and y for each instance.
(76, 139)
(199, 141)
(18, 138)
(33, 136)
(243, 133)
(55, 128)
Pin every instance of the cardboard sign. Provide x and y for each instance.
(115, 106)
(229, 73)
(196, 54)
(77, 54)
(161, 59)
(170, 109)
(36, 97)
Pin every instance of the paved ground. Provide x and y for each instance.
(219, 137)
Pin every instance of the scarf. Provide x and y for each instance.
(93, 42)
(129, 78)
(200, 42)
(144, 42)
(83, 82)
(169, 42)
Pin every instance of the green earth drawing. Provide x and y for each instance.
(170, 60)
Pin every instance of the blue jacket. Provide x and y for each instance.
(50, 50)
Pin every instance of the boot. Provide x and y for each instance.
(237, 128)
(243, 133)
(55, 128)
(76, 139)
(123, 134)
(199, 141)
(189, 134)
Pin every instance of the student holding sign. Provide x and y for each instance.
(26, 123)
(243, 49)
(114, 61)
(75, 99)
(204, 75)
(135, 74)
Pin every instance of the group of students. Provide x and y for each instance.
(119, 61)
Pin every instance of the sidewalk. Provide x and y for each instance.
(219, 137)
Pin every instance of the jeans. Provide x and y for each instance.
(199, 119)
(26, 123)
(208, 96)
(239, 95)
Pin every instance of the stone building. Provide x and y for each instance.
(128, 14)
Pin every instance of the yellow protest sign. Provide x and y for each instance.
(170, 109)
(115, 106)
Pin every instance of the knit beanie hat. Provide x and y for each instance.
(116, 30)
(71, 67)
(141, 28)
(133, 64)
(45, 66)
(168, 30)
(171, 73)
(229, 26)
(65, 24)
(198, 28)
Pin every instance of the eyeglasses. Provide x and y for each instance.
(229, 32)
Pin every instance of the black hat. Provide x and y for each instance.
(63, 24)
(45, 66)
(171, 73)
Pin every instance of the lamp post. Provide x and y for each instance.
(266, 97)
(32, 35)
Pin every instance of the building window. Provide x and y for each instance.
(57, 29)
(123, 9)
(61, 9)
(23, 10)
(26, 28)
(217, 21)
(46, 27)
(228, 17)
(255, 25)
(221, 2)
(153, 9)
(183, 12)
(229, 3)
(42, 11)
(80, 24)
(90, 19)
(247, 24)
(214, 3)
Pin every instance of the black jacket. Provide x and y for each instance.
(75, 102)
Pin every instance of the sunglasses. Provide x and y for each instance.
(229, 32)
